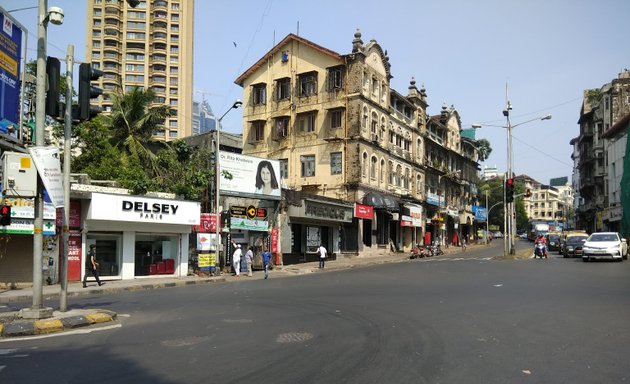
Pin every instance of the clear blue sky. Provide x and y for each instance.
(465, 52)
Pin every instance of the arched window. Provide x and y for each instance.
(373, 166)
(383, 135)
(365, 118)
(407, 178)
(364, 165)
(374, 122)
(382, 178)
(390, 172)
(398, 175)
(419, 148)
(419, 189)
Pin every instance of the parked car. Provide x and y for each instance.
(573, 245)
(497, 235)
(605, 245)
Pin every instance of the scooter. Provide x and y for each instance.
(418, 252)
(540, 251)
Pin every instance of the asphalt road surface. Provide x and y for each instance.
(461, 318)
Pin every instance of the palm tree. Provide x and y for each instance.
(134, 121)
(484, 149)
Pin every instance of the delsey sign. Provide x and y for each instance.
(143, 209)
(148, 210)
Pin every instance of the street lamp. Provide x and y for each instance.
(217, 179)
(449, 174)
(44, 16)
(509, 207)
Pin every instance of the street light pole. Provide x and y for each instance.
(37, 311)
(508, 217)
(217, 179)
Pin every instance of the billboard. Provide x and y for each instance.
(241, 174)
(10, 58)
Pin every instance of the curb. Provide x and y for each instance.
(21, 328)
(110, 290)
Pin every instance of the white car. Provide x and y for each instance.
(604, 245)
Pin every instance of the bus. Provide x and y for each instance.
(537, 228)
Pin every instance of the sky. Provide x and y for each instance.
(467, 54)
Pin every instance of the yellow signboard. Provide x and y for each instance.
(206, 260)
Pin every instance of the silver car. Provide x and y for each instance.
(605, 245)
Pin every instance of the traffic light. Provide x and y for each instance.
(53, 68)
(509, 190)
(87, 92)
(5, 215)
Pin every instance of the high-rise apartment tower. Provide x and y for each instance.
(149, 46)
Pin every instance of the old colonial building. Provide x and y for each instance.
(352, 151)
(601, 147)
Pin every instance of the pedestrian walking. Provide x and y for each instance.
(322, 255)
(236, 260)
(266, 258)
(91, 265)
(249, 259)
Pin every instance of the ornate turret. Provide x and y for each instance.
(357, 43)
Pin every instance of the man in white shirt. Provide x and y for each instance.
(236, 260)
(322, 255)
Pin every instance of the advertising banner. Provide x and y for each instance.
(10, 58)
(274, 240)
(206, 242)
(246, 174)
(206, 260)
(48, 166)
(248, 224)
(208, 223)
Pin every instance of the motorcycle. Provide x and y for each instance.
(540, 251)
(418, 252)
(435, 250)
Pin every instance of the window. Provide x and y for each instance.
(306, 122)
(335, 78)
(172, 134)
(259, 94)
(283, 89)
(284, 168)
(136, 25)
(258, 130)
(307, 84)
(373, 166)
(281, 127)
(308, 165)
(335, 163)
(336, 118)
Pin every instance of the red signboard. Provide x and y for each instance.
(405, 223)
(363, 211)
(274, 240)
(74, 219)
(207, 223)
(74, 255)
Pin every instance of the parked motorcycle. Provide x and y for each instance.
(435, 250)
(418, 252)
(540, 251)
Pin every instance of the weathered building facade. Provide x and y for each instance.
(345, 140)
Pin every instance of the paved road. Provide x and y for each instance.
(463, 320)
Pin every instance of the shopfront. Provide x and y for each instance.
(137, 236)
(411, 224)
(315, 222)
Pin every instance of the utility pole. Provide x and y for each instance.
(63, 298)
(37, 311)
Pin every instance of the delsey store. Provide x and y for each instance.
(138, 236)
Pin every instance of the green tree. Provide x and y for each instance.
(484, 149)
(134, 121)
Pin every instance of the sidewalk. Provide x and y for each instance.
(13, 325)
